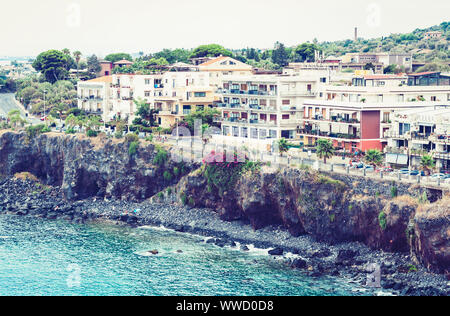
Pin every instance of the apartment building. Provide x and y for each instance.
(174, 94)
(95, 96)
(379, 60)
(183, 93)
(380, 80)
(419, 132)
(356, 118)
(221, 67)
(265, 106)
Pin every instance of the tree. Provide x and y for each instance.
(15, 118)
(280, 55)
(146, 117)
(118, 56)
(52, 64)
(93, 66)
(324, 149)
(77, 56)
(427, 163)
(305, 52)
(283, 146)
(373, 157)
(206, 116)
(211, 50)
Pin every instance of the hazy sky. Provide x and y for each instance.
(104, 26)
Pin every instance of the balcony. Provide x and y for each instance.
(329, 135)
(248, 92)
(442, 139)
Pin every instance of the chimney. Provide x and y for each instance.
(356, 34)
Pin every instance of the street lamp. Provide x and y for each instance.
(45, 92)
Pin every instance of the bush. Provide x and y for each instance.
(34, 130)
(167, 175)
(394, 191)
(91, 133)
(161, 157)
(382, 220)
(176, 171)
(183, 198)
(133, 148)
(118, 135)
(70, 131)
(131, 138)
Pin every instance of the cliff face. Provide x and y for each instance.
(306, 202)
(84, 167)
(432, 235)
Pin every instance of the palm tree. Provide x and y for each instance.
(77, 56)
(324, 149)
(283, 146)
(374, 157)
(427, 163)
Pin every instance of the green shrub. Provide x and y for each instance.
(161, 195)
(412, 268)
(131, 138)
(34, 130)
(191, 202)
(167, 175)
(169, 191)
(132, 149)
(176, 171)
(149, 138)
(394, 191)
(118, 135)
(382, 220)
(161, 157)
(183, 198)
(91, 133)
(70, 131)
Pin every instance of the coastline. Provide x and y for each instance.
(350, 260)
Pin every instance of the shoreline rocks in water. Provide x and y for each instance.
(352, 260)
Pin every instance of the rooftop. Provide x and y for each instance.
(106, 79)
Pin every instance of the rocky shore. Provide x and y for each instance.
(399, 274)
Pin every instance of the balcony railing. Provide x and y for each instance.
(330, 135)
(247, 92)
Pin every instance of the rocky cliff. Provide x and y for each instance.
(308, 202)
(328, 207)
(85, 167)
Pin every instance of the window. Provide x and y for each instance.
(147, 93)
(323, 79)
(147, 81)
(286, 102)
(199, 94)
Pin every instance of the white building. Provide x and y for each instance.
(95, 96)
(419, 132)
(266, 106)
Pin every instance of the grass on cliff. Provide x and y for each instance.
(26, 176)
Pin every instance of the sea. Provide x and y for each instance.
(41, 257)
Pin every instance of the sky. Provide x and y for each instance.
(104, 26)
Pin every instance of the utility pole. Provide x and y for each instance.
(45, 119)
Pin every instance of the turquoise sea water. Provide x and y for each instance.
(41, 257)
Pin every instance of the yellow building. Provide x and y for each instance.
(174, 109)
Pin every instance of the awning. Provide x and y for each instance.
(398, 159)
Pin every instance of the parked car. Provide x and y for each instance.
(369, 168)
(356, 165)
(417, 172)
(441, 176)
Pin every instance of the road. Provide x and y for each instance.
(8, 103)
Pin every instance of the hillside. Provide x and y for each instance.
(424, 50)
